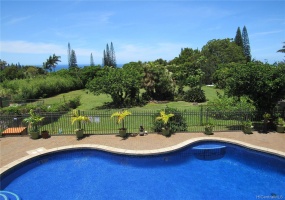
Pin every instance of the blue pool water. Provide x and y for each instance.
(205, 170)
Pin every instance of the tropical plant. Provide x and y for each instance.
(247, 124)
(121, 116)
(283, 49)
(79, 118)
(33, 120)
(164, 117)
(209, 128)
(280, 127)
(266, 116)
(280, 121)
(247, 127)
(176, 123)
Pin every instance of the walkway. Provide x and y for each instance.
(14, 148)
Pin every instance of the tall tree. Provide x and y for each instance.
(68, 54)
(109, 58)
(246, 45)
(238, 38)
(73, 60)
(104, 60)
(257, 80)
(112, 56)
(3, 64)
(51, 62)
(91, 60)
(217, 52)
(283, 49)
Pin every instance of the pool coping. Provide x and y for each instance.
(43, 151)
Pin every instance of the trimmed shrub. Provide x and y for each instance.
(195, 95)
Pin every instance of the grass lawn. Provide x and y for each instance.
(102, 124)
(90, 102)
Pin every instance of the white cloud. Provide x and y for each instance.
(17, 20)
(266, 33)
(31, 47)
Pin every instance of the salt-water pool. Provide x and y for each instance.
(203, 170)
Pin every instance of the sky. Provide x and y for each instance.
(147, 30)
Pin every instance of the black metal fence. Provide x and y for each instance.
(101, 122)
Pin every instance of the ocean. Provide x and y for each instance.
(65, 66)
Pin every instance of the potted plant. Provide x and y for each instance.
(79, 119)
(165, 118)
(266, 117)
(247, 127)
(33, 120)
(45, 134)
(280, 125)
(209, 129)
(120, 118)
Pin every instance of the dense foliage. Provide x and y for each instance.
(195, 95)
(122, 85)
(219, 52)
(225, 107)
(40, 107)
(39, 87)
(176, 123)
(264, 84)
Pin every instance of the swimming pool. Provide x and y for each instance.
(203, 170)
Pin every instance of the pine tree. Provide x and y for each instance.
(104, 60)
(91, 60)
(68, 54)
(73, 60)
(109, 58)
(112, 56)
(238, 38)
(246, 45)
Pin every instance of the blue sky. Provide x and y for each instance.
(31, 31)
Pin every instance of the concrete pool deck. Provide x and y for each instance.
(17, 149)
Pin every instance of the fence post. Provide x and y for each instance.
(201, 116)
(207, 110)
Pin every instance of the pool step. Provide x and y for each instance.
(6, 195)
(209, 151)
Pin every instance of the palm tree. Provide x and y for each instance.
(283, 49)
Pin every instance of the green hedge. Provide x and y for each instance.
(40, 87)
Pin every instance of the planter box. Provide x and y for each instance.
(79, 134)
(34, 135)
(280, 129)
(123, 132)
(247, 130)
(165, 132)
(45, 134)
(209, 131)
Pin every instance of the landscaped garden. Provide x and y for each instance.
(243, 91)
